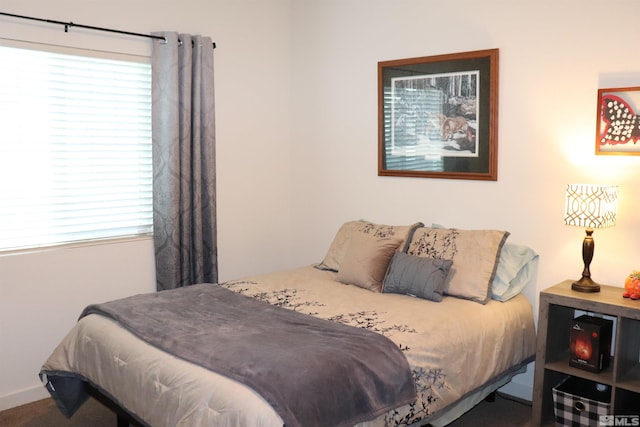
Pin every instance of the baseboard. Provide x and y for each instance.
(521, 385)
(519, 391)
(23, 397)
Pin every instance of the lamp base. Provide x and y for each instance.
(585, 284)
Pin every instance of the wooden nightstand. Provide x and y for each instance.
(558, 305)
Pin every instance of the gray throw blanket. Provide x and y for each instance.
(313, 372)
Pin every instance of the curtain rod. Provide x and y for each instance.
(67, 25)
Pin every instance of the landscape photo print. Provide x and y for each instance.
(437, 116)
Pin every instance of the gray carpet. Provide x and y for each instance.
(504, 412)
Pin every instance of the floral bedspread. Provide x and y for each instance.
(453, 346)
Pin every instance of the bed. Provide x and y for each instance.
(443, 307)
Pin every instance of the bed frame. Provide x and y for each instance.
(125, 419)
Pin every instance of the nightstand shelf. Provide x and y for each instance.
(557, 308)
(562, 366)
(631, 380)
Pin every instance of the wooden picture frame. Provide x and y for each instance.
(617, 122)
(438, 116)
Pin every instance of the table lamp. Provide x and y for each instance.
(590, 206)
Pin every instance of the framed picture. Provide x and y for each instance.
(438, 116)
(617, 127)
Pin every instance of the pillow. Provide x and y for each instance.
(366, 260)
(516, 267)
(338, 247)
(474, 254)
(416, 276)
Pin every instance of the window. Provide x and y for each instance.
(75, 148)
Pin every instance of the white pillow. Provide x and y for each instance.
(516, 267)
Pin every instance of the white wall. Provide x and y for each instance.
(553, 58)
(296, 122)
(42, 293)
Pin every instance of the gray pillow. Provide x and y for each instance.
(417, 276)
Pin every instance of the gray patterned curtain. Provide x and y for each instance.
(184, 198)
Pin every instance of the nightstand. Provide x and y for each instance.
(557, 307)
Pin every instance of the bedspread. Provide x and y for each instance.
(303, 366)
(453, 347)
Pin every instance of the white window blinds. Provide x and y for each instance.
(75, 148)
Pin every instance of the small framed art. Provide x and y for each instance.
(617, 127)
(438, 116)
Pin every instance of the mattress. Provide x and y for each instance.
(444, 342)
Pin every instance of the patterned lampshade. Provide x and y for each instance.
(591, 206)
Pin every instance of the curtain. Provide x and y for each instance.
(183, 134)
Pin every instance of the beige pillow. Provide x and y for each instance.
(339, 245)
(474, 253)
(366, 260)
